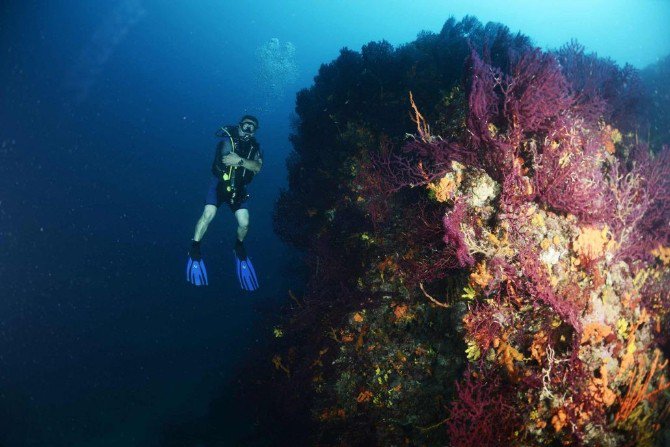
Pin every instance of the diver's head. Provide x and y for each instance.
(247, 127)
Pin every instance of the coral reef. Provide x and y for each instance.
(488, 241)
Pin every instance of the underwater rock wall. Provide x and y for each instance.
(488, 243)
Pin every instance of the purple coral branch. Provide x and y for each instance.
(453, 236)
(535, 95)
(642, 213)
(480, 415)
(537, 285)
(569, 175)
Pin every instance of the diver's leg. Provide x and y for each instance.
(201, 227)
(242, 216)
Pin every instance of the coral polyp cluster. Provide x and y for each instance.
(492, 268)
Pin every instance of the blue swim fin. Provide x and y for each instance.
(196, 273)
(246, 274)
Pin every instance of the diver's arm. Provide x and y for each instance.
(234, 160)
(252, 165)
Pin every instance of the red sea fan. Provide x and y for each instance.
(537, 285)
(535, 95)
(486, 124)
(569, 174)
(508, 110)
(587, 76)
(487, 321)
(453, 236)
(483, 101)
(601, 88)
(480, 416)
(655, 225)
(641, 220)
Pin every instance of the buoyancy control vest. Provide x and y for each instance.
(234, 177)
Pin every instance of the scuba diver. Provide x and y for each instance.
(238, 158)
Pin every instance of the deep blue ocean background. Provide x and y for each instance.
(107, 119)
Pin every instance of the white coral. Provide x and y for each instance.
(551, 256)
(483, 191)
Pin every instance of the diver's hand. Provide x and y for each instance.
(231, 159)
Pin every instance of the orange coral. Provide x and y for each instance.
(422, 126)
(332, 413)
(610, 137)
(347, 337)
(595, 332)
(444, 189)
(318, 361)
(400, 311)
(539, 347)
(387, 265)
(591, 242)
(364, 396)
(481, 277)
(277, 361)
(507, 354)
(559, 420)
(599, 390)
(638, 386)
(361, 336)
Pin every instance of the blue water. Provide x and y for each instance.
(107, 116)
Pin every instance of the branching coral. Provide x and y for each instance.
(569, 172)
(481, 415)
(638, 387)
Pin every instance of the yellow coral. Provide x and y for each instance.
(472, 352)
(279, 365)
(640, 278)
(537, 220)
(545, 244)
(628, 358)
(662, 253)
(469, 293)
(610, 137)
(621, 327)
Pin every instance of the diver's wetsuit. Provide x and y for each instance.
(229, 182)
